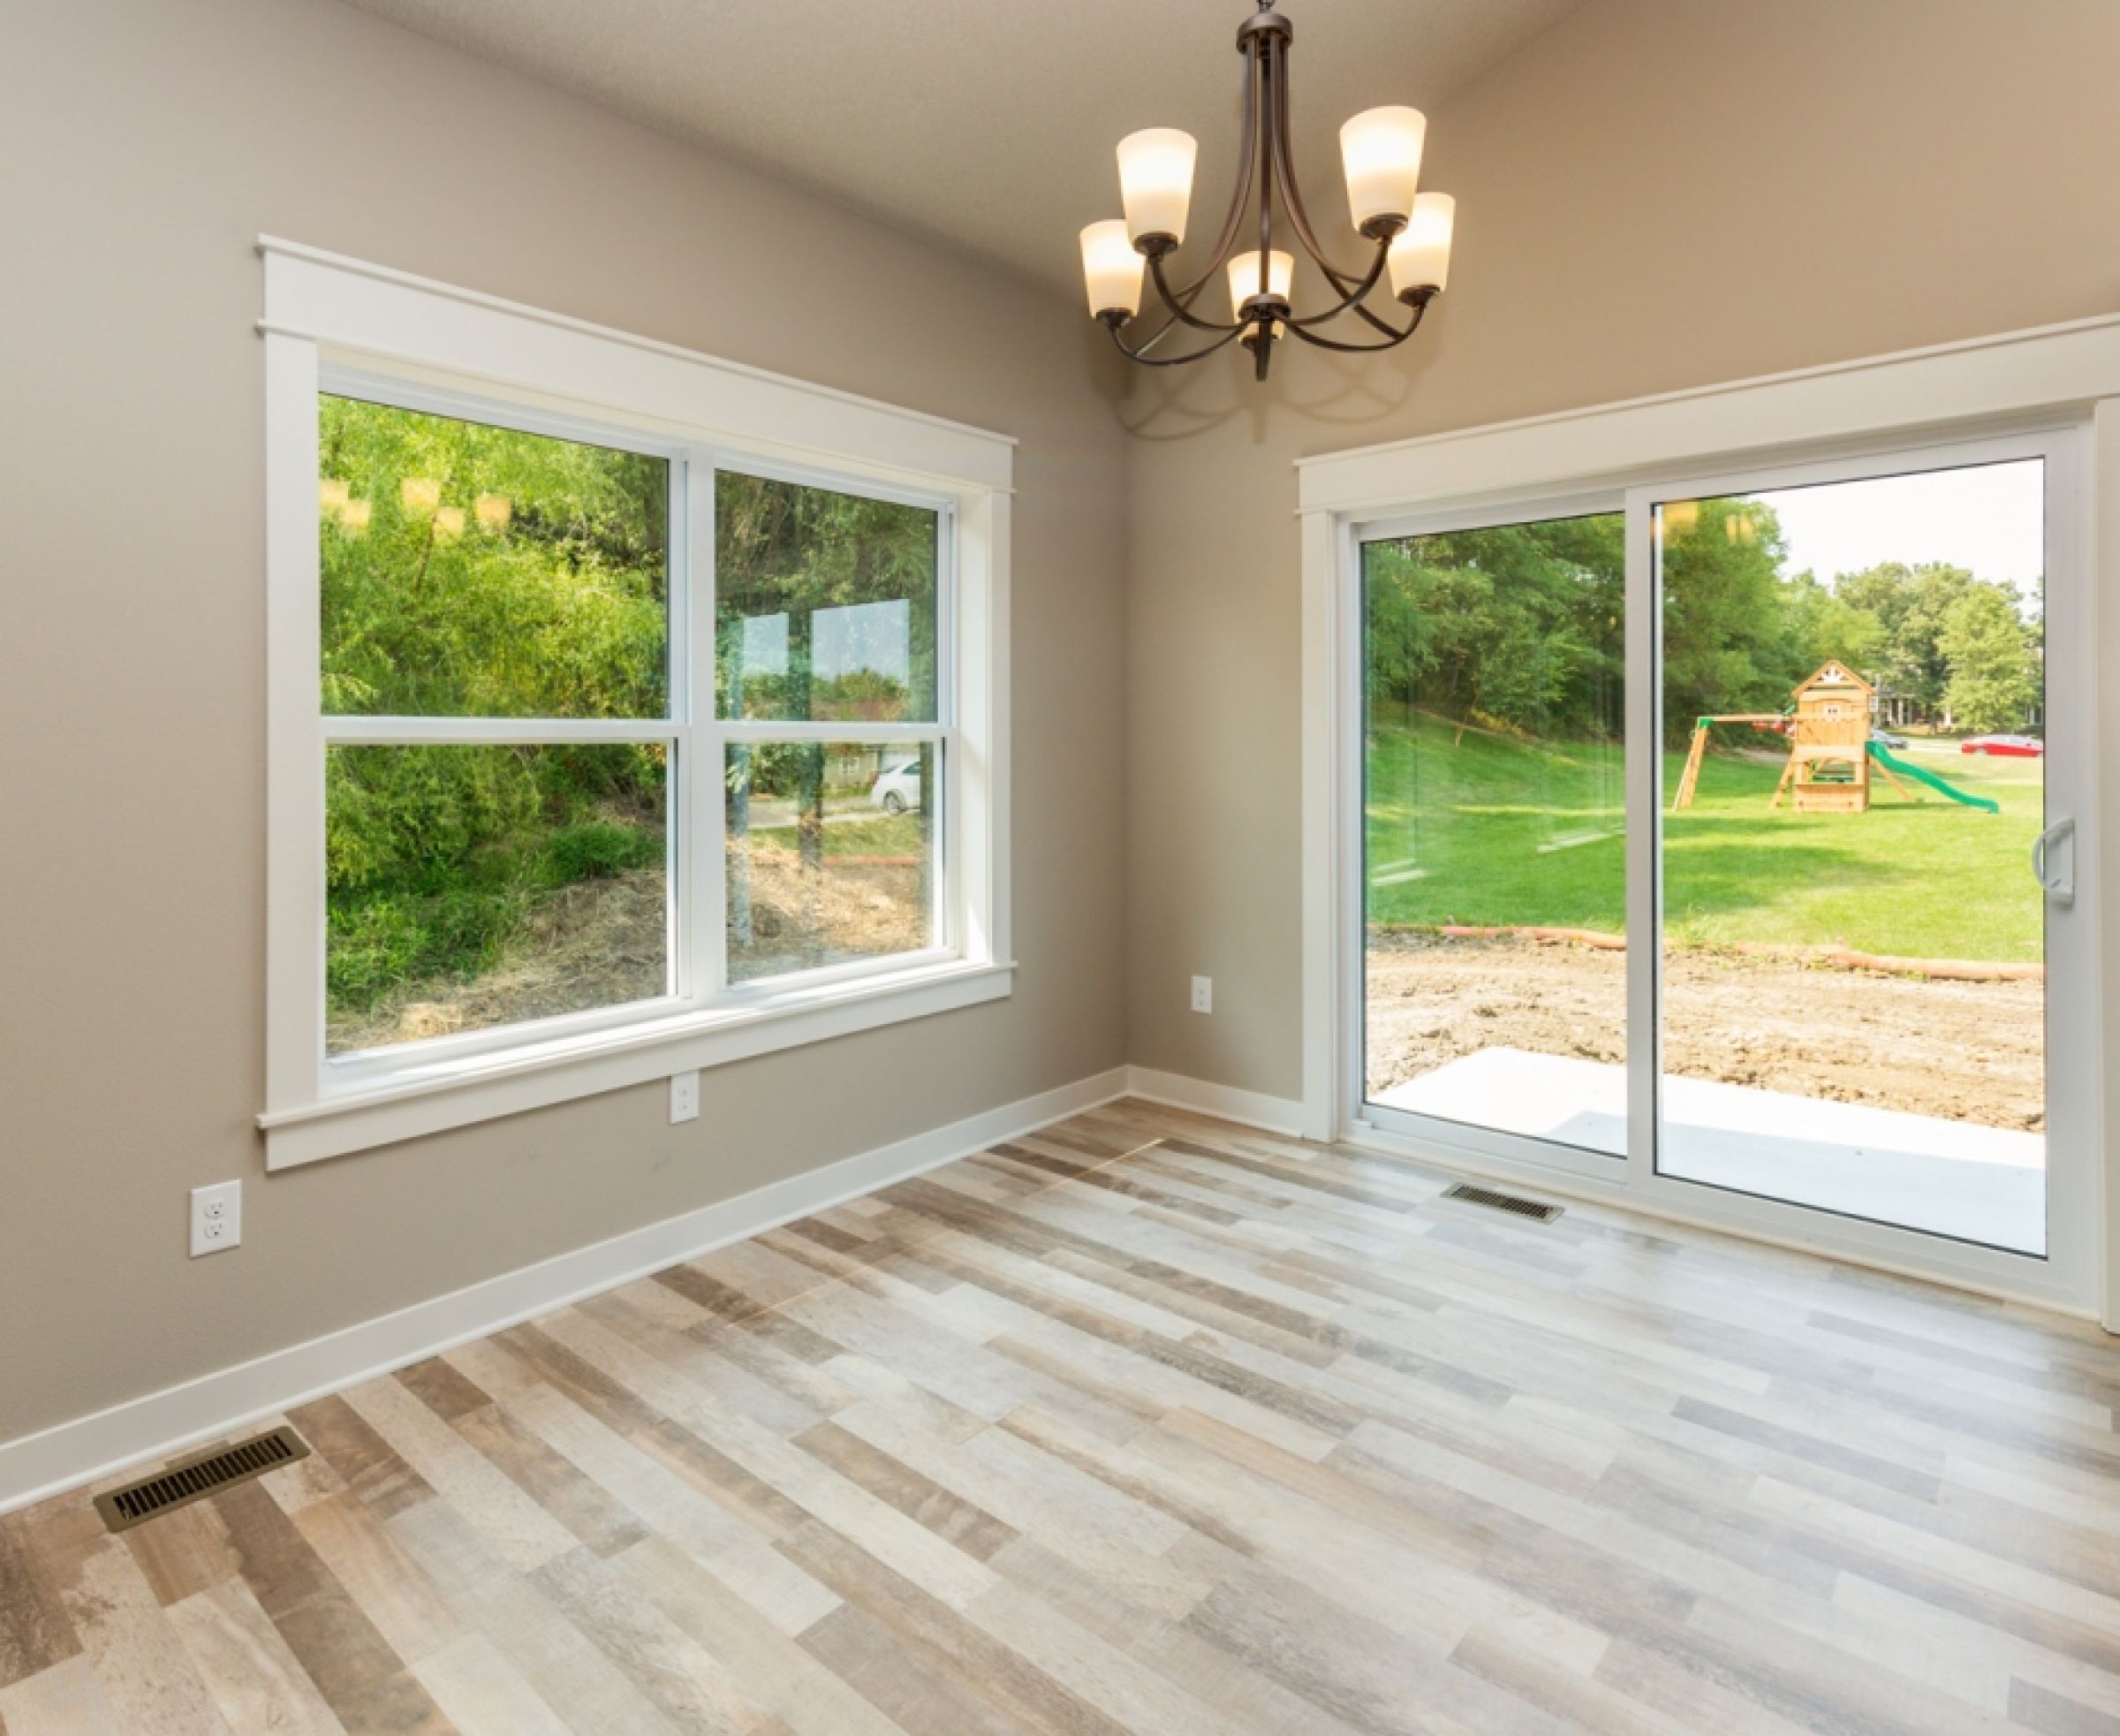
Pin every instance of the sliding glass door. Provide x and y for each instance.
(1853, 754)
(1494, 853)
(1714, 842)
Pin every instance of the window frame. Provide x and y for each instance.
(336, 326)
(2053, 392)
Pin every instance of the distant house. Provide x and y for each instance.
(1893, 710)
(1890, 708)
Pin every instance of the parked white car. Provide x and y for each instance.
(898, 787)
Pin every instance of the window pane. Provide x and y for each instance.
(825, 604)
(1495, 834)
(832, 854)
(475, 886)
(479, 572)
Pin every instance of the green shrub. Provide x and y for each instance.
(383, 944)
(595, 851)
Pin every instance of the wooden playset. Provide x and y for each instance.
(1830, 751)
(1828, 768)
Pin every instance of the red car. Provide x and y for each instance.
(2014, 747)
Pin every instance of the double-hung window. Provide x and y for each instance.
(616, 731)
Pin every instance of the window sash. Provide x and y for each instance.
(392, 392)
(680, 940)
(706, 466)
(850, 730)
(944, 921)
(697, 737)
(340, 731)
(697, 867)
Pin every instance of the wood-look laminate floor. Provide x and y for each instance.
(1149, 1423)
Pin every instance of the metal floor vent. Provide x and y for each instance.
(1515, 1204)
(195, 1479)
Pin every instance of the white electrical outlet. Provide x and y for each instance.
(217, 1217)
(1203, 994)
(684, 1097)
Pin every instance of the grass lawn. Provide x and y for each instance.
(1492, 831)
(885, 835)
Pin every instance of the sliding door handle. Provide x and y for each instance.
(2054, 845)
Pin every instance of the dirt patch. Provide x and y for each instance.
(598, 942)
(1966, 1051)
(602, 942)
(860, 909)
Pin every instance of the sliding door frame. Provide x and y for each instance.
(2016, 396)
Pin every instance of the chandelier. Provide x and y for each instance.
(1409, 231)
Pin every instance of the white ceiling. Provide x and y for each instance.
(987, 124)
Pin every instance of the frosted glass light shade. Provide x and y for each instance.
(1112, 269)
(1243, 278)
(1380, 149)
(1155, 180)
(1420, 255)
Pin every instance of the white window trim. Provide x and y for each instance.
(330, 321)
(2065, 377)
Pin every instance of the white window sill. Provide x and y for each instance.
(457, 1092)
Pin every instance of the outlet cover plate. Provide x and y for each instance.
(217, 1217)
(684, 1097)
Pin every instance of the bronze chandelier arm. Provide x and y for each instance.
(1284, 175)
(1247, 155)
(1171, 324)
(1175, 317)
(1268, 102)
(1283, 170)
(1181, 305)
(1395, 338)
(1353, 296)
(1143, 356)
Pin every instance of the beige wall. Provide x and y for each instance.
(1655, 194)
(142, 145)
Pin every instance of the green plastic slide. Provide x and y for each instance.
(1892, 761)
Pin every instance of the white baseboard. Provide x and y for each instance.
(88, 1448)
(1252, 1108)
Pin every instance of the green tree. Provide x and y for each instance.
(1984, 643)
(1912, 603)
(1515, 625)
(1726, 639)
(1824, 625)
